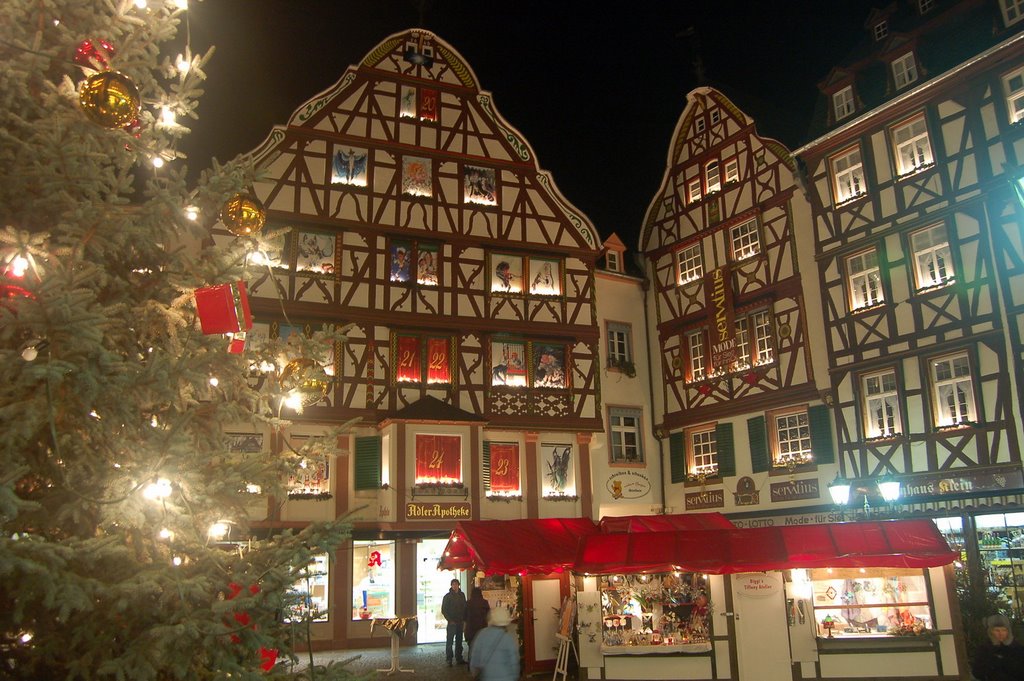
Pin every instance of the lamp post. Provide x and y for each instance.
(840, 488)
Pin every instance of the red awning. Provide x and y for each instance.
(666, 523)
(511, 547)
(893, 543)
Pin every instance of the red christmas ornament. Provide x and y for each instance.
(223, 308)
(92, 54)
(704, 389)
(268, 656)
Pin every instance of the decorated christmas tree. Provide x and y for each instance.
(126, 550)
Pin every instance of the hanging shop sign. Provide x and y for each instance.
(722, 317)
(628, 485)
(795, 490)
(746, 493)
(960, 482)
(709, 498)
(756, 585)
(448, 511)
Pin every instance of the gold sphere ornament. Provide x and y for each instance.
(110, 99)
(243, 215)
(304, 380)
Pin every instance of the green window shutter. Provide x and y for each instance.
(487, 466)
(725, 450)
(367, 463)
(821, 434)
(677, 457)
(759, 459)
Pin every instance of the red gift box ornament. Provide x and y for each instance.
(223, 308)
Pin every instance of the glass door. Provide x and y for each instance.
(1001, 546)
(431, 586)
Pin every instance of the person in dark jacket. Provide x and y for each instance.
(476, 614)
(1002, 658)
(453, 608)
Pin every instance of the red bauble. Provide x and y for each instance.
(92, 54)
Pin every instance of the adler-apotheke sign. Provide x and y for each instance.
(447, 511)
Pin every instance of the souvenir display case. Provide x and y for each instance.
(1001, 548)
(655, 613)
(866, 602)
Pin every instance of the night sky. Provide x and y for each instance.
(596, 88)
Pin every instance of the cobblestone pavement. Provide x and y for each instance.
(426, 660)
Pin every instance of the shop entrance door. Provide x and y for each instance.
(542, 598)
(762, 630)
(431, 586)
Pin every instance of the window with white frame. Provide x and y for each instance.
(913, 150)
(611, 260)
(1013, 83)
(624, 435)
(1013, 11)
(842, 102)
(693, 190)
(695, 345)
(712, 177)
(925, 6)
(791, 438)
(702, 451)
(954, 390)
(756, 325)
(933, 265)
(716, 116)
(848, 175)
(373, 579)
(690, 263)
(865, 280)
(881, 30)
(745, 240)
(619, 351)
(732, 171)
(700, 123)
(904, 70)
(881, 405)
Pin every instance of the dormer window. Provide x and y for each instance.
(1013, 11)
(925, 6)
(904, 70)
(881, 30)
(612, 261)
(842, 102)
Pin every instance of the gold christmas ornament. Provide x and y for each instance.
(243, 215)
(110, 99)
(304, 379)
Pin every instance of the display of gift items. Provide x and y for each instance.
(670, 609)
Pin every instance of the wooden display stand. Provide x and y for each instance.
(565, 644)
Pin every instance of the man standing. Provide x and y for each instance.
(453, 608)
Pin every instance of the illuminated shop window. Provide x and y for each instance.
(373, 579)
(865, 602)
(663, 611)
(309, 596)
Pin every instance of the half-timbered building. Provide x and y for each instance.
(740, 400)
(404, 208)
(918, 238)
